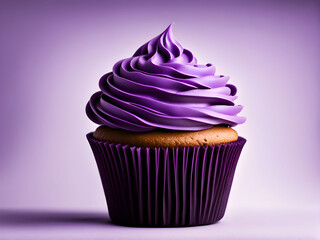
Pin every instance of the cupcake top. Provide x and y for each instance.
(162, 87)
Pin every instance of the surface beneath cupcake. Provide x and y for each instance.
(162, 138)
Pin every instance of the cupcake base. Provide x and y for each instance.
(166, 187)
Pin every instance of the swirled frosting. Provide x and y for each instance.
(162, 86)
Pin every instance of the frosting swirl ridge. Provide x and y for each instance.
(162, 86)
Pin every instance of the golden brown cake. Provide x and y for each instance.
(159, 138)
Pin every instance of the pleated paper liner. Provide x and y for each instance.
(159, 187)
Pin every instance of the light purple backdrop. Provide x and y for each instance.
(52, 54)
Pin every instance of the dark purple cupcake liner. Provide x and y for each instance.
(166, 187)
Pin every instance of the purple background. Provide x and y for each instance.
(52, 54)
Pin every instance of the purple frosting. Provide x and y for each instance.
(162, 86)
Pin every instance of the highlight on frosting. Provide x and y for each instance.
(162, 86)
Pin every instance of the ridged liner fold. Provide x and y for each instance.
(156, 186)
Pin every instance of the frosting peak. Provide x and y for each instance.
(162, 86)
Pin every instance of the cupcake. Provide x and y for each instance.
(165, 148)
